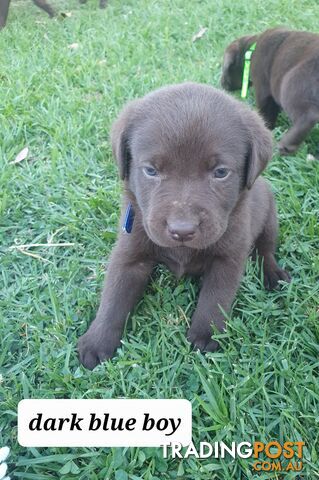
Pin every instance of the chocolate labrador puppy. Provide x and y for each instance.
(285, 75)
(4, 8)
(190, 157)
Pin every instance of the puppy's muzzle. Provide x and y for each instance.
(226, 84)
(182, 231)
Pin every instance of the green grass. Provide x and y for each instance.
(60, 102)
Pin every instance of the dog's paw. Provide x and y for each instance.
(202, 341)
(273, 276)
(94, 350)
(286, 150)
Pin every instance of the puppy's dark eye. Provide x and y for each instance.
(150, 171)
(221, 172)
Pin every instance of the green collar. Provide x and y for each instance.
(245, 82)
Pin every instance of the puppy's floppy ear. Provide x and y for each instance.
(121, 138)
(234, 53)
(230, 56)
(259, 148)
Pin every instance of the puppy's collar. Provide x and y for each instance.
(246, 71)
(128, 219)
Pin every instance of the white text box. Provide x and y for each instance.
(104, 423)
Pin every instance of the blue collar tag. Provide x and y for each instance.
(128, 219)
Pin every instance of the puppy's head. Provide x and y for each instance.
(233, 63)
(187, 153)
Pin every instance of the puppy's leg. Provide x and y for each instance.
(298, 132)
(124, 285)
(45, 6)
(103, 3)
(4, 8)
(268, 108)
(219, 287)
(266, 246)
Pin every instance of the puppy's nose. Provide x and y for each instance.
(181, 231)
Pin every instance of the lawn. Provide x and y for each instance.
(63, 81)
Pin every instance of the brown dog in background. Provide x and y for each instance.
(4, 9)
(190, 157)
(285, 75)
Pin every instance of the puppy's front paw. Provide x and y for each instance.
(286, 150)
(94, 348)
(202, 341)
(273, 276)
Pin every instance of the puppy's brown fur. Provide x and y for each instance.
(285, 75)
(189, 156)
(103, 3)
